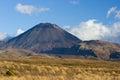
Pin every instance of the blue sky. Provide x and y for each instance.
(69, 14)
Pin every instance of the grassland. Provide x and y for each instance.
(41, 68)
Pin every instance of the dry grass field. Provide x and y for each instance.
(41, 68)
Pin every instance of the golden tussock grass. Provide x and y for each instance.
(58, 69)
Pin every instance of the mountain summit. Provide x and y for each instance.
(44, 38)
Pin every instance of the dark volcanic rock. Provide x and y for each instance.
(2, 44)
(45, 38)
(115, 55)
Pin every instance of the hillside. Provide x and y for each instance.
(99, 49)
(16, 53)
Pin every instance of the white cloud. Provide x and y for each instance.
(93, 30)
(114, 11)
(114, 33)
(117, 14)
(66, 27)
(74, 2)
(90, 30)
(30, 9)
(19, 31)
(3, 36)
(110, 11)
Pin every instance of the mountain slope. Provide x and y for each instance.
(13, 53)
(44, 38)
(99, 49)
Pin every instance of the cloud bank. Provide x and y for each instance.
(93, 30)
(30, 9)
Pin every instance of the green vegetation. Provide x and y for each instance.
(41, 68)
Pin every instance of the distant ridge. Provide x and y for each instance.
(99, 49)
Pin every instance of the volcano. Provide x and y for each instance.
(45, 38)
